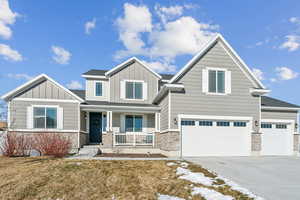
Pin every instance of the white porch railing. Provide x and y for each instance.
(133, 139)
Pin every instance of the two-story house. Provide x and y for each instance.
(214, 106)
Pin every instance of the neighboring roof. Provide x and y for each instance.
(79, 93)
(128, 62)
(107, 103)
(204, 50)
(34, 81)
(166, 76)
(95, 72)
(165, 88)
(271, 102)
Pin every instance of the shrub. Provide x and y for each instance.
(52, 144)
(14, 144)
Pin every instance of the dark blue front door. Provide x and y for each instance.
(95, 127)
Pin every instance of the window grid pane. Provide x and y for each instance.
(281, 126)
(223, 123)
(51, 118)
(129, 90)
(138, 90)
(205, 123)
(221, 82)
(39, 117)
(212, 81)
(239, 124)
(188, 123)
(264, 125)
(138, 123)
(98, 89)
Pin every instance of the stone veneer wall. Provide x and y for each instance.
(296, 142)
(168, 141)
(256, 142)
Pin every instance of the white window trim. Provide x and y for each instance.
(45, 106)
(216, 69)
(135, 81)
(95, 82)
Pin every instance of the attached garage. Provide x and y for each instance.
(215, 136)
(277, 137)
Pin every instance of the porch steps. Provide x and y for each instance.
(88, 151)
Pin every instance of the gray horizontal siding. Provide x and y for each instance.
(274, 114)
(18, 113)
(133, 72)
(193, 101)
(164, 113)
(46, 90)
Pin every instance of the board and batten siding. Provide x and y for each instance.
(90, 90)
(193, 101)
(164, 112)
(135, 71)
(18, 113)
(46, 90)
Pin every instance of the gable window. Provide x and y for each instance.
(134, 90)
(98, 89)
(216, 81)
(133, 123)
(45, 117)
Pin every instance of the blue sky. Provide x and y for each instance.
(67, 38)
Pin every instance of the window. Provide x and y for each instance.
(265, 125)
(98, 89)
(281, 126)
(104, 121)
(223, 123)
(205, 123)
(188, 123)
(133, 123)
(134, 90)
(216, 81)
(239, 124)
(45, 117)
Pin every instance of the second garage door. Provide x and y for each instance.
(206, 137)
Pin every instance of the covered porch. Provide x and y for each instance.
(121, 126)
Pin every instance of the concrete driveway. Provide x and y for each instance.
(269, 177)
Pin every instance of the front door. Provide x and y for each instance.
(95, 127)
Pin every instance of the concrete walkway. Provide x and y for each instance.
(273, 178)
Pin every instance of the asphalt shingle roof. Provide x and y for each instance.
(272, 102)
(79, 93)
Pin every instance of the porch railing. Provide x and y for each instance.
(133, 139)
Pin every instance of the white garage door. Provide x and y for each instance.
(201, 137)
(277, 138)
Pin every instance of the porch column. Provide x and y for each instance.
(109, 120)
(157, 122)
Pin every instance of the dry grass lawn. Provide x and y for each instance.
(53, 179)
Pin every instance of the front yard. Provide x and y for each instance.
(61, 179)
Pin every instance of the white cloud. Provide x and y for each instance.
(89, 26)
(9, 54)
(160, 66)
(258, 73)
(73, 85)
(7, 17)
(136, 20)
(292, 43)
(295, 20)
(20, 76)
(273, 80)
(61, 55)
(285, 73)
(163, 41)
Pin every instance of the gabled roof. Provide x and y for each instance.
(34, 81)
(79, 93)
(128, 62)
(272, 102)
(205, 49)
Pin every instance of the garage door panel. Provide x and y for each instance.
(276, 141)
(216, 141)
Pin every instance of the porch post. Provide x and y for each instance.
(109, 120)
(157, 122)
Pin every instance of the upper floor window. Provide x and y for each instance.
(45, 117)
(98, 89)
(134, 90)
(216, 81)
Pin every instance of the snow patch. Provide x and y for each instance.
(184, 164)
(194, 177)
(171, 164)
(237, 187)
(210, 194)
(167, 197)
